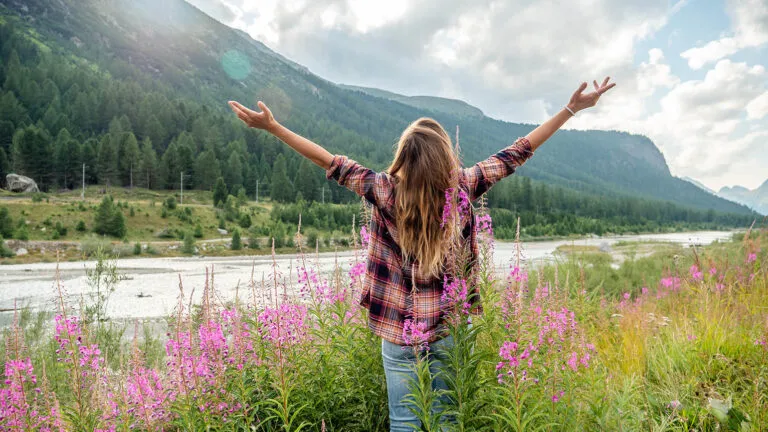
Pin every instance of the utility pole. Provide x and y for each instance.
(323, 194)
(257, 191)
(82, 195)
(182, 187)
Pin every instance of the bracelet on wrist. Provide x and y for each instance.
(573, 113)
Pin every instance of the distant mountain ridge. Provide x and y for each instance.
(701, 185)
(182, 48)
(431, 103)
(756, 199)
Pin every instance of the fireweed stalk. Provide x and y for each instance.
(25, 404)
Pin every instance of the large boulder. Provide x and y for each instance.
(20, 183)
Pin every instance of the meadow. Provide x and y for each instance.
(64, 225)
(675, 340)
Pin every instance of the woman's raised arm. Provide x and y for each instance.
(266, 121)
(578, 102)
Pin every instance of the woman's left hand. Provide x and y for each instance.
(581, 100)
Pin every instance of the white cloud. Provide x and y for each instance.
(520, 61)
(750, 24)
(757, 108)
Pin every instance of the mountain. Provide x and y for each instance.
(454, 107)
(756, 199)
(160, 71)
(701, 185)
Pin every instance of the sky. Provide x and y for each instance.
(691, 74)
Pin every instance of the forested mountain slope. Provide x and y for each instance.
(137, 91)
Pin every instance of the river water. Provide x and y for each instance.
(150, 286)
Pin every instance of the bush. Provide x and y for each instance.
(137, 248)
(242, 198)
(189, 243)
(5, 252)
(6, 223)
(92, 244)
(132, 213)
(254, 242)
(61, 229)
(198, 231)
(80, 226)
(38, 197)
(164, 213)
(170, 203)
(236, 242)
(22, 233)
(245, 220)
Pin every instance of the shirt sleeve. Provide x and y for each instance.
(482, 175)
(365, 182)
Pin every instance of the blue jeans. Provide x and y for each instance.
(398, 368)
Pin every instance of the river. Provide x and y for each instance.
(150, 286)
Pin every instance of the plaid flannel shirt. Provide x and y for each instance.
(389, 278)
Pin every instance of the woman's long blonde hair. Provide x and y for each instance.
(425, 166)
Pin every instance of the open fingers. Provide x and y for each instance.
(605, 81)
(579, 90)
(594, 83)
(264, 108)
(243, 108)
(605, 88)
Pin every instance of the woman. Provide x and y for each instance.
(406, 262)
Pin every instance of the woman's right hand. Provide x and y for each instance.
(580, 100)
(259, 120)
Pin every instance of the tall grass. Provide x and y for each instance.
(666, 342)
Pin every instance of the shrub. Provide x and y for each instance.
(38, 197)
(91, 244)
(242, 198)
(5, 252)
(61, 229)
(245, 220)
(189, 243)
(6, 223)
(198, 231)
(22, 233)
(132, 213)
(170, 203)
(80, 226)
(164, 213)
(236, 242)
(137, 248)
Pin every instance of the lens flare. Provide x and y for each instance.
(236, 65)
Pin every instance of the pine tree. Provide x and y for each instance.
(6, 135)
(106, 161)
(67, 159)
(281, 188)
(233, 175)
(32, 155)
(129, 160)
(147, 171)
(306, 182)
(89, 157)
(109, 219)
(207, 169)
(5, 167)
(237, 243)
(219, 192)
